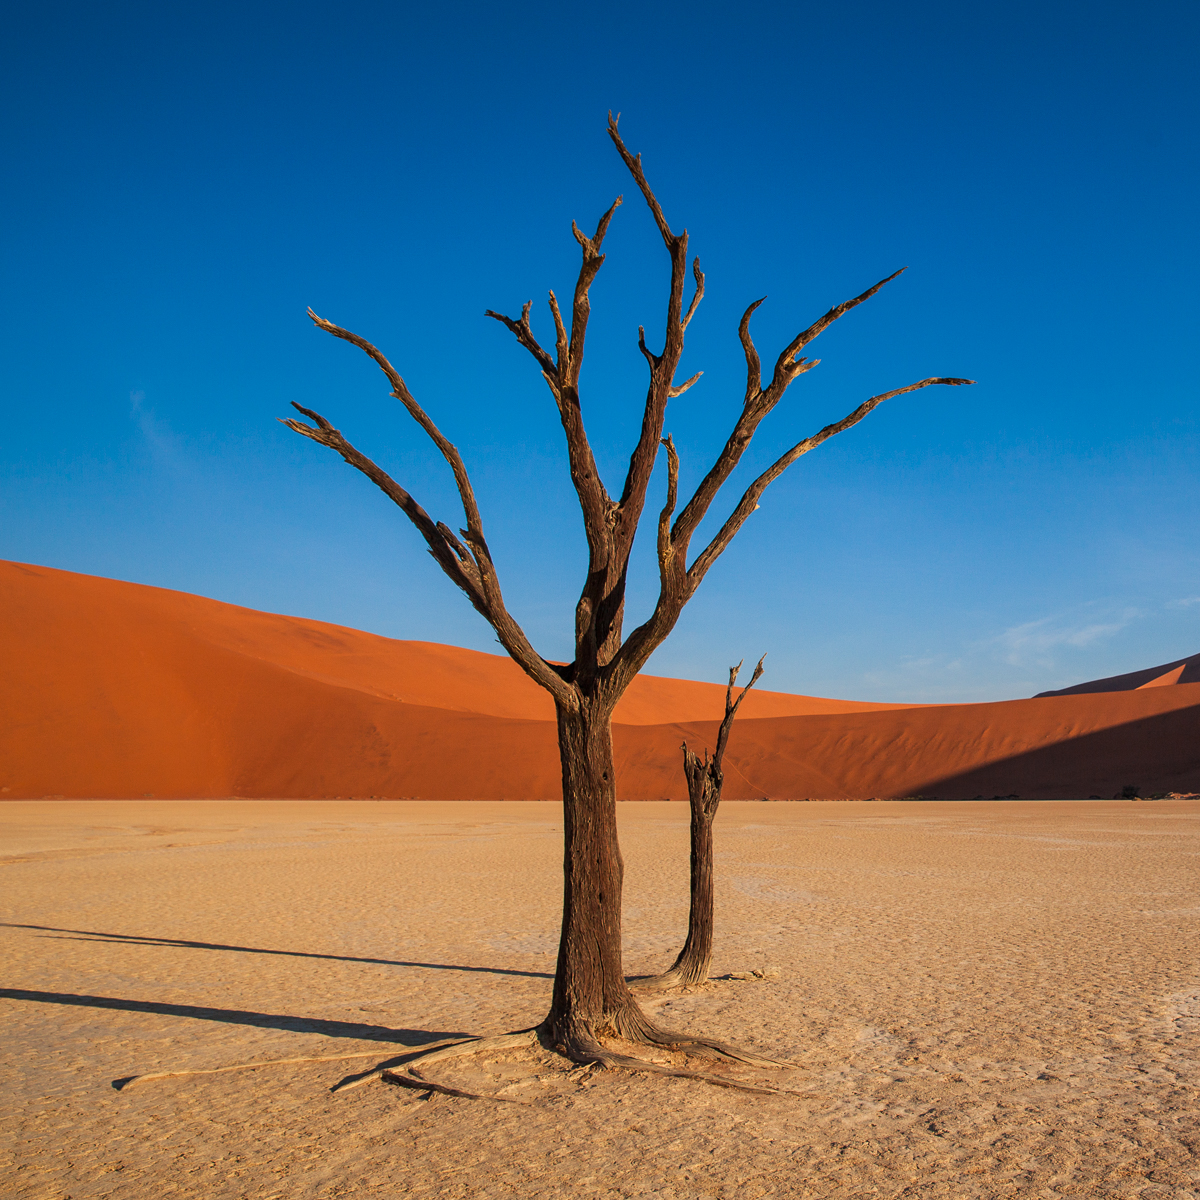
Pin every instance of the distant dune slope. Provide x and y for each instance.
(1182, 670)
(117, 690)
(1057, 748)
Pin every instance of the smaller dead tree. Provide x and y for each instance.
(705, 780)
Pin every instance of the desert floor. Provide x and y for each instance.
(981, 1000)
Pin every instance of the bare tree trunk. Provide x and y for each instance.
(591, 997)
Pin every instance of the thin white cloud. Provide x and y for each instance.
(1034, 641)
(1018, 661)
(1184, 602)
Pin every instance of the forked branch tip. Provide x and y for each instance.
(312, 416)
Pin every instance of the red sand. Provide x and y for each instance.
(117, 690)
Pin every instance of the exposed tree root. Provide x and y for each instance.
(664, 982)
(123, 1085)
(417, 1084)
(679, 978)
(633, 1025)
(609, 1060)
(506, 1041)
(587, 1050)
(583, 1048)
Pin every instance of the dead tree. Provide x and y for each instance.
(591, 999)
(705, 779)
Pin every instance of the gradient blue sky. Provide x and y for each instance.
(180, 181)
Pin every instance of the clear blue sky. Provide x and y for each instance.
(180, 181)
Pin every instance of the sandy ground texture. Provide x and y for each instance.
(981, 1000)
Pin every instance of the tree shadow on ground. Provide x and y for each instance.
(131, 939)
(233, 1016)
(416, 1041)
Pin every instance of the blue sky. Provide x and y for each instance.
(181, 181)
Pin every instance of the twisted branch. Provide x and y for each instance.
(562, 377)
(523, 332)
(753, 365)
(749, 501)
(664, 518)
(400, 390)
(759, 402)
(611, 526)
(699, 295)
(469, 567)
(447, 550)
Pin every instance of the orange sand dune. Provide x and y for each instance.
(57, 622)
(1055, 748)
(114, 689)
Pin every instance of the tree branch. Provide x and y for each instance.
(664, 518)
(446, 549)
(400, 391)
(611, 527)
(674, 591)
(634, 163)
(463, 553)
(683, 387)
(648, 354)
(786, 363)
(473, 571)
(662, 366)
(561, 342)
(753, 365)
(562, 377)
(581, 305)
(695, 304)
(749, 500)
(759, 402)
(731, 707)
(524, 334)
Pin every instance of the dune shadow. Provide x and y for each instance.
(233, 1016)
(130, 939)
(1158, 754)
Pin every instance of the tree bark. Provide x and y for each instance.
(591, 997)
(704, 795)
